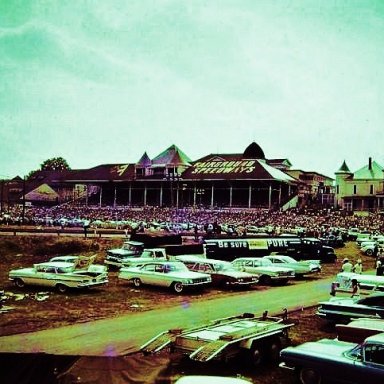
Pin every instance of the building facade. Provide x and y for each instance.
(362, 190)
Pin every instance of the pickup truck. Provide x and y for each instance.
(337, 361)
(148, 255)
(116, 256)
(255, 339)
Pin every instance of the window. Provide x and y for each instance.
(371, 189)
(374, 354)
(354, 189)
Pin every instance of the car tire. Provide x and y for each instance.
(309, 376)
(369, 252)
(274, 350)
(265, 280)
(256, 355)
(178, 287)
(137, 282)
(19, 283)
(61, 288)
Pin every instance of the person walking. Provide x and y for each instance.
(355, 288)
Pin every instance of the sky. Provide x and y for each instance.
(103, 82)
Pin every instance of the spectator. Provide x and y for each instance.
(358, 267)
(347, 266)
(379, 266)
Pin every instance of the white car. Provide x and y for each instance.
(301, 268)
(363, 236)
(343, 282)
(200, 379)
(223, 273)
(267, 271)
(81, 262)
(171, 274)
(59, 275)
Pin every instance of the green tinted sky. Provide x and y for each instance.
(103, 81)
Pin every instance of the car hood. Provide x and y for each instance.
(340, 301)
(324, 347)
(237, 274)
(120, 252)
(189, 275)
(273, 269)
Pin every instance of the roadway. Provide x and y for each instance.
(124, 334)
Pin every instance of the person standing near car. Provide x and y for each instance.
(347, 266)
(358, 267)
(379, 266)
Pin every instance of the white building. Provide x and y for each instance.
(362, 190)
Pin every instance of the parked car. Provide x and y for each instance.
(223, 273)
(203, 379)
(59, 275)
(147, 256)
(371, 247)
(367, 282)
(267, 271)
(363, 236)
(172, 274)
(301, 268)
(344, 309)
(352, 233)
(332, 360)
(81, 262)
(333, 241)
(116, 256)
(368, 248)
(357, 330)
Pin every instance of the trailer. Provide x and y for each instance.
(306, 248)
(257, 339)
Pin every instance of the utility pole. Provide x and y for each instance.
(23, 214)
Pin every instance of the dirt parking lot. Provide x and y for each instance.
(29, 310)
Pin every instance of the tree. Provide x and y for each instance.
(54, 164)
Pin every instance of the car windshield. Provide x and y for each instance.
(355, 353)
(224, 267)
(171, 267)
(288, 259)
(130, 247)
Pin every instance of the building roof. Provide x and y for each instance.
(371, 171)
(105, 172)
(253, 151)
(344, 168)
(224, 166)
(144, 161)
(42, 193)
(171, 156)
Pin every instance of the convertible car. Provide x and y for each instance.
(344, 309)
(367, 282)
(59, 275)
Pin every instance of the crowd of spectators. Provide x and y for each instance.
(315, 222)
